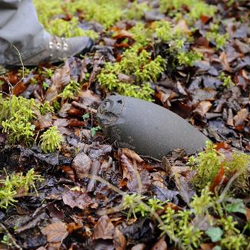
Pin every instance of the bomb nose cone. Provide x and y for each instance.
(147, 128)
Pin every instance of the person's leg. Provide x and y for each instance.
(19, 26)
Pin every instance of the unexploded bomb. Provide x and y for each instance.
(147, 128)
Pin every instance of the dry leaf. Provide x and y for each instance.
(160, 244)
(82, 164)
(119, 240)
(75, 198)
(56, 232)
(104, 229)
(132, 155)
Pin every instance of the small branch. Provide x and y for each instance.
(10, 236)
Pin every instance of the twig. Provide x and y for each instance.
(6, 231)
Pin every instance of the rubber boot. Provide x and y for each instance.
(147, 128)
(19, 27)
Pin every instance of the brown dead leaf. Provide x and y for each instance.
(248, 213)
(82, 164)
(182, 26)
(207, 246)
(104, 229)
(160, 244)
(203, 108)
(218, 180)
(60, 78)
(132, 155)
(56, 232)
(122, 34)
(240, 118)
(224, 62)
(76, 198)
(119, 240)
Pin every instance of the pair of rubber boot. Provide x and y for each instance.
(21, 32)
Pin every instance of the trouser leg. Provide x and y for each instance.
(19, 26)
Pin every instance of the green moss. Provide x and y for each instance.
(70, 28)
(141, 69)
(104, 12)
(209, 162)
(71, 90)
(135, 11)
(227, 80)
(51, 140)
(176, 40)
(214, 35)
(193, 9)
(13, 183)
(46, 108)
(16, 115)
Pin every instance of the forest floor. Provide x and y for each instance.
(65, 186)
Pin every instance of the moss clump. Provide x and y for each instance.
(70, 28)
(192, 9)
(209, 162)
(71, 90)
(141, 70)
(104, 12)
(51, 140)
(16, 115)
(13, 183)
(46, 108)
(214, 36)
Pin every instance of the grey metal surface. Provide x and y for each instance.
(147, 128)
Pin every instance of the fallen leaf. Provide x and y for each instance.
(55, 232)
(240, 118)
(75, 198)
(160, 244)
(81, 164)
(119, 240)
(132, 155)
(104, 229)
(203, 108)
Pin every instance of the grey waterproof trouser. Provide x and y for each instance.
(19, 26)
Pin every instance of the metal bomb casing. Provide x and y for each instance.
(147, 128)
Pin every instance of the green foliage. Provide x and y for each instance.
(93, 130)
(236, 242)
(177, 225)
(71, 90)
(176, 39)
(207, 165)
(46, 108)
(16, 114)
(104, 12)
(214, 233)
(194, 8)
(214, 35)
(141, 34)
(13, 183)
(227, 80)
(7, 241)
(70, 28)
(209, 162)
(135, 10)
(139, 66)
(51, 140)
(135, 205)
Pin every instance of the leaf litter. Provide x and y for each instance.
(73, 208)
